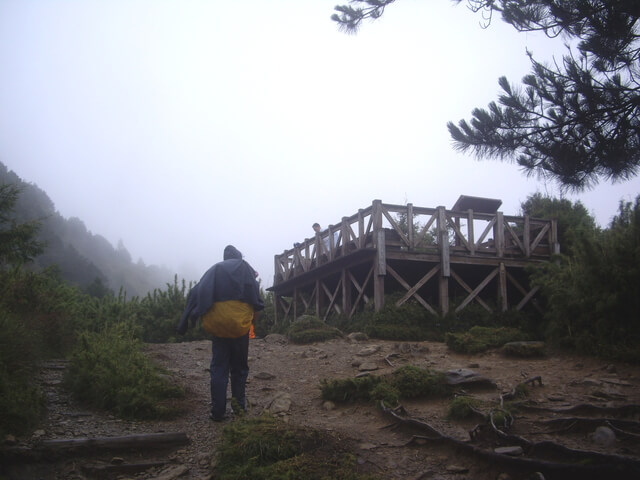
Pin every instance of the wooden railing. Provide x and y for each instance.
(437, 231)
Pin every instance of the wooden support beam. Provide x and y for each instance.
(473, 294)
(443, 242)
(443, 294)
(418, 285)
(502, 287)
(498, 234)
(402, 282)
(410, 226)
(346, 290)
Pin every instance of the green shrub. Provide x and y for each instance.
(413, 382)
(462, 407)
(309, 329)
(21, 403)
(480, 339)
(108, 370)
(349, 389)
(405, 382)
(264, 448)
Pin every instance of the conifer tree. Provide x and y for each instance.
(576, 120)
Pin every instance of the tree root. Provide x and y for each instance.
(601, 466)
(514, 393)
(625, 428)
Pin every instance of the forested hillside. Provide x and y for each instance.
(83, 258)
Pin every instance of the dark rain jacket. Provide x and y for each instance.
(231, 279)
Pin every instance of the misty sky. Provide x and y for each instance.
(181, 126)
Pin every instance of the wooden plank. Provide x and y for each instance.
(474, 293)
(141, 441)
(402, 282)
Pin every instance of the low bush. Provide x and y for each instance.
(309, 329)
(462, 407)
(264, 448)
(481, 339)
(405, 382)
(108, 370)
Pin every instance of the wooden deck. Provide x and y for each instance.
(448, 260)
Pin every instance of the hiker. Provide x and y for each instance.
(227, 298)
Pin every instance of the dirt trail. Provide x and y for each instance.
(281, 368)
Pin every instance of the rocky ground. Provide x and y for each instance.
(285, 379)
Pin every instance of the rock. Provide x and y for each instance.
(276, 338)
(603, 436)
(504, 476)
(117, 461)
(329, 405)
(473, 365)
(456, 469)
(38, 433)
(524, 349)
(536, 476)
(10, 440)
(357, 337)
(611, 369)
(463, 376)
(368, 367)
(356, 362)
(172, 472)
(367, 446)
(512, 451)
(280, 403)
(264, 376)
(370, 350)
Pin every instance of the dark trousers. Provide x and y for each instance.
(229, 356)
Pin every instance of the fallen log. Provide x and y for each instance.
(59, 446)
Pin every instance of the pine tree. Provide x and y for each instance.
(575, 121)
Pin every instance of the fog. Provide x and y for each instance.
(180, 127)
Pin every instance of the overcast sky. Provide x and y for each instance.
(181, 126)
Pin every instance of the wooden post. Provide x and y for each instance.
(555, 245)
(526, 237)
(502, 287)
(410, 225)
(380, 261)
(361, 239)
(443, 243)
(470, 234)
(443, 290)
(498, 234)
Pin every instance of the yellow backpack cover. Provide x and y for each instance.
(229, 319)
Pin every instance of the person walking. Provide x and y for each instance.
(227, 299)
